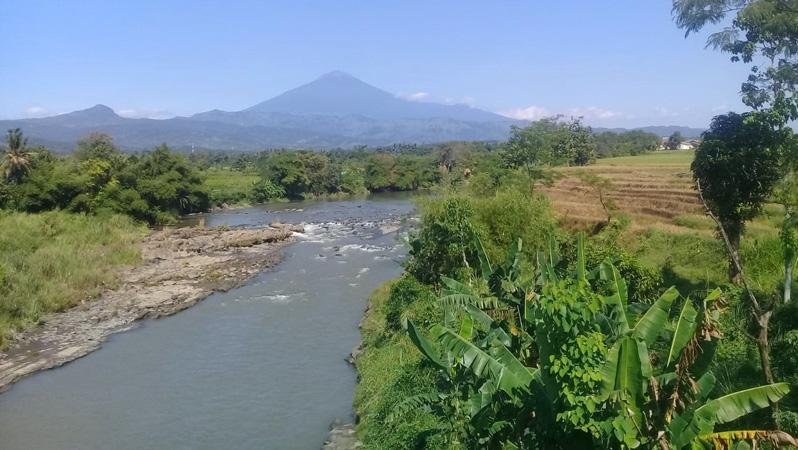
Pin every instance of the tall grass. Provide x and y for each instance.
(54, 260)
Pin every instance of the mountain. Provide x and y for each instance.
(340, 94)
(335, 110)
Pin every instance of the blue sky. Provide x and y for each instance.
(618, 63)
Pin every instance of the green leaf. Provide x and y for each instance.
(581, 274)
(685, 329)
(623, 371)
(514, 254)
(507, 373)
(426, 347)
(415, 403)
(484, 261)
(735, 405)
(618, 300)
(653, 321)
(465, 299)
(467, 327)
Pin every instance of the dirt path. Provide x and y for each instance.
(180, 267)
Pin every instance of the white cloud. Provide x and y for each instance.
(415, 96)
(539, 112)
(528, 113)
(35, 111)
(593, 112)
(422, 96)
(145, 113)
(721, 108)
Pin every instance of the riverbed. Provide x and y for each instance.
(258, 367)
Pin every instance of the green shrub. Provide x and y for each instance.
(405, 293)
(442, 245)
(510, 214)
(265, 190)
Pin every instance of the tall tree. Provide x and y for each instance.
(736, 166)
(16, 159)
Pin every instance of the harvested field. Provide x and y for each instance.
(654, 190)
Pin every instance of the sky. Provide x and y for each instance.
(616, 63)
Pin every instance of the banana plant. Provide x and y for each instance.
(510, 380)
(655, 408)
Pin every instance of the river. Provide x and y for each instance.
(259, 367)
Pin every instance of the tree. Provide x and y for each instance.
(786, 194)
(674, 140)
(17, 159)
(531, 148)
(736, 167)
(577, 143)
(548, 142)
(96, 146)
(761, 31)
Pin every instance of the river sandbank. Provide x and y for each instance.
(179, 268)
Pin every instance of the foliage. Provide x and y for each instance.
(54, 260)
(154, 187)
(737, 165)
(442, 245)
(547, 361)
(391, 371)
(265, 190)
(405, 292)
(548, 142)
(627, 143)
(16, 158)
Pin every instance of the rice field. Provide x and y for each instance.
(654, 190)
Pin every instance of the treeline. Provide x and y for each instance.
(155, 186)
(159, 185)
(627, 143)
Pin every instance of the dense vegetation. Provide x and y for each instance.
(53, 260)
(98, 178)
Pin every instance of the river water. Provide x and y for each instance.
(259, 367)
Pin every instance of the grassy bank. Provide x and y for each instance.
(390, 369)
(54, 260)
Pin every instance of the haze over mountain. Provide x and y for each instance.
(335, 110)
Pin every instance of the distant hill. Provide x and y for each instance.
(663, 131)
(334, 111)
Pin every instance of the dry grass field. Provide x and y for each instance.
(654, 190)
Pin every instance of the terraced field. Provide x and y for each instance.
(654, 190)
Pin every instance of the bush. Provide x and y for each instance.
(405, 293)
(265, 190)
(442, 245)
(503, 218)
(645, 283)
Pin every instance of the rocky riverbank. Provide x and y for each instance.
(179, 268)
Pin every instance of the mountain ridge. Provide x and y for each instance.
(336, 110)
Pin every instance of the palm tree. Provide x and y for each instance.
(16, 159)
